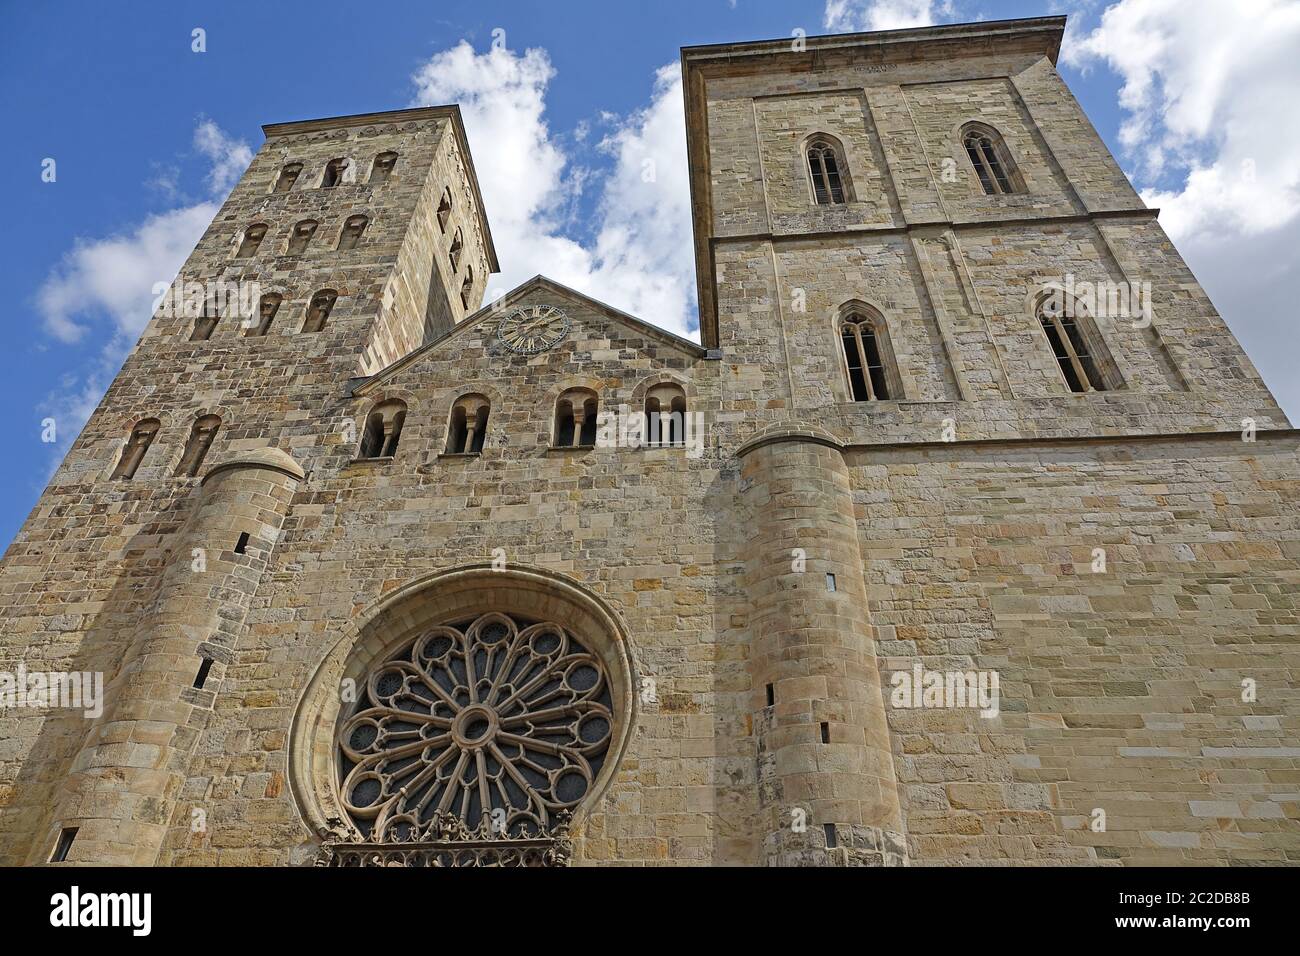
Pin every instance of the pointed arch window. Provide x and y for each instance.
(824, 167)
(665, 416)
(575, 419)
(868, 355)
(382, 168)
(267, 306)
(300, 238)
(383, 430)
(988, 155)
(289, 174)
(467, 430)
(253, 237)
(142, 436)
(444, 209)
(352, 231)
(318, 310)
(196, 448)
(1070, 331)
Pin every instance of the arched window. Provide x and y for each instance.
(575, 419)
(351, 232)
(988, 155)
(318, 310)
(200, 440)
(142, 436)
(665, 416)
(868, 356)
(301, 236)
(467, 430)
(382, 168)
(335, 170)
(288, 176)
(444, 209)
(205, 324)
(253, 237)
(824, 168)
(453, 254)
(1069, 331)
(383, 430)
(267, 306)
(467, 288)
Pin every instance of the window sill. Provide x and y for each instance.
(460, 454)
(568, 448)
(381, 460)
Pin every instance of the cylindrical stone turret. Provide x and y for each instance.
(121, 792)
(827, 790)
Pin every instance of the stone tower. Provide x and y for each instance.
(292, 327)
(355, 561)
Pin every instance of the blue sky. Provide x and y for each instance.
(147, 137)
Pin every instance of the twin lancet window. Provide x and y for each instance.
(824, 168)
(467, 431)
(575, 419)
(868, 358)
(989, 157)
(1068, 331)
(337, 173)
(383, 430)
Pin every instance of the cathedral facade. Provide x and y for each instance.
(966, 534)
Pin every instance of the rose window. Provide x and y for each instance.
(497, 721)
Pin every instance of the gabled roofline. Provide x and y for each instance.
(537, 281)
(704, 60)
(450, 112)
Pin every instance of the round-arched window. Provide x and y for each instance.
(495, 718)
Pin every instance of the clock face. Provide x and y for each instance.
(532, 329)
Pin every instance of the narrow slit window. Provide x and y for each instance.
(467, 288)
(832, 841)
(453, 254)
(771, 695)
(201, 678)
(64, 844)
(241, 546)
(826, 732)
(830, 582)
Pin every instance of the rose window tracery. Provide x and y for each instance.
(500, 722)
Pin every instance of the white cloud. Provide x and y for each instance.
(114, 277)
(641, 259)
(849, 16)
(229, 156)
(1212, 136)
(108, 283)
